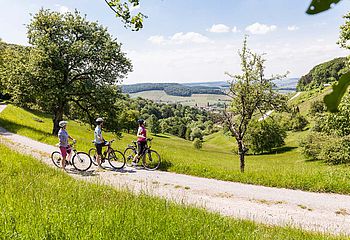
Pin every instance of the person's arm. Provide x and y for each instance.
(139, 134)
(71, 138)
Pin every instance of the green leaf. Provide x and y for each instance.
(318, 6)
(333, 99)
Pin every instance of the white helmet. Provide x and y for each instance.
(99, 120)
(62, 123)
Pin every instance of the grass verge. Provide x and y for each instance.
(38, 202)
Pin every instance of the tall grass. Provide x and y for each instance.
(38, 202)
(285, 168)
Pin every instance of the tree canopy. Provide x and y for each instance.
(72, 68)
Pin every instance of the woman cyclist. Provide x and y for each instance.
(63, 137)
(141, 140)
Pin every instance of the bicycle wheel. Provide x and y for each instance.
(129, 154)
(151, 160)
(56, 158)
(93, 154)
(81, 161)
(116, 159)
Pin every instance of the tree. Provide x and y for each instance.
(74, 66)
(263, 136)
(250, 93)
(15, 74)
(128, 119)
(333, 99)
(154, 124)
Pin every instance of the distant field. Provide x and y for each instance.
(201, 100)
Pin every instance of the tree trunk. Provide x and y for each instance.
(241, 152)
(58, 116)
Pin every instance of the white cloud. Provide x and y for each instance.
(180, 38)
(157, 39)
(222, 28)
(292, 28)
(190, 37)
(258, 28)
(62, 9)
(219, 28)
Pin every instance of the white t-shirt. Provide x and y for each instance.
(97, 133)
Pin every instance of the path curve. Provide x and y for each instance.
(267, 114)
(310, 211)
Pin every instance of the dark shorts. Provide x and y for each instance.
(65, 151)
(99, 147)
(141, 147)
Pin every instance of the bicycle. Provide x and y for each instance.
(150, 158)
(80, 160)
(115, 158)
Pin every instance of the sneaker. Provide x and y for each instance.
(134, 164)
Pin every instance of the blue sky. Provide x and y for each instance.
(196, 40)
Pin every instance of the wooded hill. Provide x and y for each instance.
(174, 89)
(323, 73)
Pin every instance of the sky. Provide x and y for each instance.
(198, 41)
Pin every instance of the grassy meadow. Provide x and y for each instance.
(285, 168)
(38, 202)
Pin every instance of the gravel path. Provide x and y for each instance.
(311, 211)
(267, 114)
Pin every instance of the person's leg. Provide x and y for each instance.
(99, 154)
(139, 151)
(64, 155)
(143, 148)
(69, 154)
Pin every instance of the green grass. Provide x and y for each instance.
(288, 168)
(38, 202)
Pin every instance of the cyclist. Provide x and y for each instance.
(99, 140)
(141, 140)
(63, 137)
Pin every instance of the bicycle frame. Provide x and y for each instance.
(146, 150)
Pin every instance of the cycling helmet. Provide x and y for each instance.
(62, 123)
(99, 121)
(141, 121)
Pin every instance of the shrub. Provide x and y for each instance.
(337, 151)
(317, 107)
(298, 122)
(196, 133)
(331, 149)
(263, 136)
(312, 145)
(197, 143)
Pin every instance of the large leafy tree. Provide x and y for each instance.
(251, 93)
(74, 66)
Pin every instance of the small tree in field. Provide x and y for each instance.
(250, 93)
